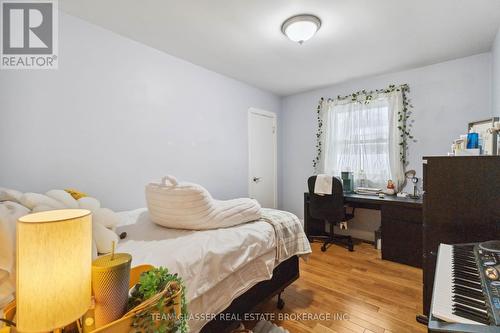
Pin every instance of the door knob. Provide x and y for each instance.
(256, 179)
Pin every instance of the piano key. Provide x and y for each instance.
(468, 283)
(467, 269)
(474, 276)
(457, 251)
(472, 317)
(466, 276)
(467, 292)
(466, 261)
(472, 309)
(461, 257)
(469, 255)
(464, 265)
(469, 301)
(479, 300)
(462, 271)
(469, 288)
(464, 268)
(442, 304)
(478, 314)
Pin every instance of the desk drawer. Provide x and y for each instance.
(402, 235)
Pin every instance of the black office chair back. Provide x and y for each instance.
(327, 207)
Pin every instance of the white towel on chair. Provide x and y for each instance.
(323, 184)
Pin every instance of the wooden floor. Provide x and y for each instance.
(374, 295)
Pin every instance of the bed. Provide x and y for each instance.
(227, 270)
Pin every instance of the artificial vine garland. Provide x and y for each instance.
(319, 134)
(365, 97)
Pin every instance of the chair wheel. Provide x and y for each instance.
(281, 304)
(350, 244)
(323, 248)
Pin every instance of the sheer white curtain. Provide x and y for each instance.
(359, 136)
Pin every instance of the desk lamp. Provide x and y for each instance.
(53, 269)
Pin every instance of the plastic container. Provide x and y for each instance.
(347, 181)
(472, 141)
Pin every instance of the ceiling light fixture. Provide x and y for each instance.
(300, 28)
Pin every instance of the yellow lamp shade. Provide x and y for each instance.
(54, 267)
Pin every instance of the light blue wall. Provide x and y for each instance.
(118, 114)
(496, 75)
(446, 96)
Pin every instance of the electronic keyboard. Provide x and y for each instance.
(467, 285)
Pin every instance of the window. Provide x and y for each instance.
(363, 138)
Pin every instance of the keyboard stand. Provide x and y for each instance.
(422, 319)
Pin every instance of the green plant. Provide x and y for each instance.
(150, 284)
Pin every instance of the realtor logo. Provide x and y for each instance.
(29, 34)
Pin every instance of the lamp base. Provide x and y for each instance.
(75, 327)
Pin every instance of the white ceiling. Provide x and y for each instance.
(242, 38)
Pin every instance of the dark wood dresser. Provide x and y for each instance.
(461, 205)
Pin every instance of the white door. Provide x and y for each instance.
(262, 183)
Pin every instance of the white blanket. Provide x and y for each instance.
(216, 265)
(201, 258)
(290, 237)
(190, 206)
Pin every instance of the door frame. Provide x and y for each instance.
(272, 115)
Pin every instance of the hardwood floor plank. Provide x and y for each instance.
(346, 325)
(323, 329)
(335, 329)
(361, 292)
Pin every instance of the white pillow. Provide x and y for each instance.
(106, 217)
(9, 195)
(95, 254)
(190, 206)
(63, 197)
(31, 200)
(7, 290)
(89, 203)
(10, 212)
(103, 238)
(41, 208)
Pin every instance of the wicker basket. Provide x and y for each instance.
(124, 324)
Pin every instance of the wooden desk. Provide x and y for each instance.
(369, 201)
(401, 225)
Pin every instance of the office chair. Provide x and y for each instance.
(331, 209)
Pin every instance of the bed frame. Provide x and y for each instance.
(283, 275)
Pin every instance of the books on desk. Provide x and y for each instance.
(367, 191)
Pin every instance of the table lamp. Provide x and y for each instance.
(53, 269)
